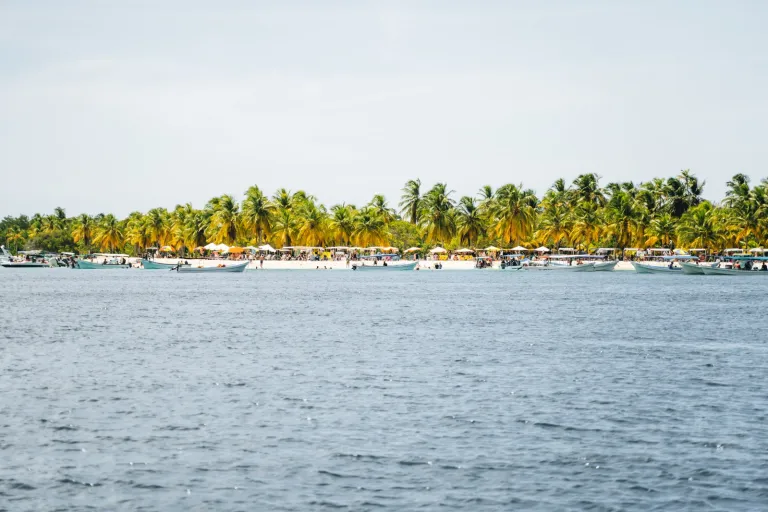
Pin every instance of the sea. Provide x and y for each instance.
(381, 391)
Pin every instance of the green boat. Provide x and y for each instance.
(88, 265)
(153, 265)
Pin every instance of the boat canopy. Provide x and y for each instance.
(680, 257)
(576, 257)
(748, 258)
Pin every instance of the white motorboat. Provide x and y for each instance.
(605, 266)
(222, 267)
(645, 268)
(584, 267)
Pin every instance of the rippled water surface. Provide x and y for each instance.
(315, 390)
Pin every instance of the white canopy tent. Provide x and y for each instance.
(266, 248)
(464, 251)
(491, 248)
(211, 247)
(413, 249)
(542, 249)
(519, 248)
(438, 250)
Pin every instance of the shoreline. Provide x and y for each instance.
(622, 266)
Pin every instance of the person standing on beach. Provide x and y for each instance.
(261, 261)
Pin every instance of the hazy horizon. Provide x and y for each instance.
(117, 108)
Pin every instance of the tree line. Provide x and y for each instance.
(583, 214)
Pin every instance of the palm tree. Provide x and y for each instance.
(83, 231)
(469, 221)
(738, 191)
(693, 188)
(514, 213)
(14, 235)
(555, 224)
(369, 228)
(283, 199)
(662, 230)
(621, 216)
(587, 189)
(60, 213)
(342, 223)
(313, 224)
(436, 214)
(587, 224)
(195, 226)
(109, 234)
(379, 205)
(257, 214)
(284, 228)
(136, 231)
(158, 228)
(410, 201)
(225, 220)
(699, 227)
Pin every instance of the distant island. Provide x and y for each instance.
(583, 214)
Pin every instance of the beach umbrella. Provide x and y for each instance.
(222, 247)
(519, 248)
(438, 250)
(211, 247)
(235, 250)
(491, 249)
(464, 251)
(413, 249)
(166, 248)
(542, 249)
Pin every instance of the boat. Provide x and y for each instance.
(390, 266)
(238, 267)
(722, 271)
(89, 265)
(25, 264)
(644, 268)
(605, 266)
(153, 265)
(584, 267)
(693, 269)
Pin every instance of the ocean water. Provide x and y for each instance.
(333, 390)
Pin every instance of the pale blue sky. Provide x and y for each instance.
(120, 106)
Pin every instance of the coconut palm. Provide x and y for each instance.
(225, 222)
(136, 232)
(436, 214)
(621, 215)
(257, 213)
(662, 230)
(195, 225)
(342, 223)
(83, 230)
(285, 227)
(109, 234)
(587, 224)
(514, 214)
(369, 228)
(470, 223)
(587, 189)
(14, 236)
(313, 224)
(379, 205)
(555, 224)
(158, 226)
(410, 201)
(699, 227)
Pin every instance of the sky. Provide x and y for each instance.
(124, 106)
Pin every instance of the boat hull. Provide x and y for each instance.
(714, 271)
(605, 266)
(25, 264)
(654, 269)
(87, 265)
(586, 267)
(208, 270)
(390, 267)
(152, 265)
(692, 269)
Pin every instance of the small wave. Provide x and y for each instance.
(65, 427)
(22, 486)
(331, 473)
